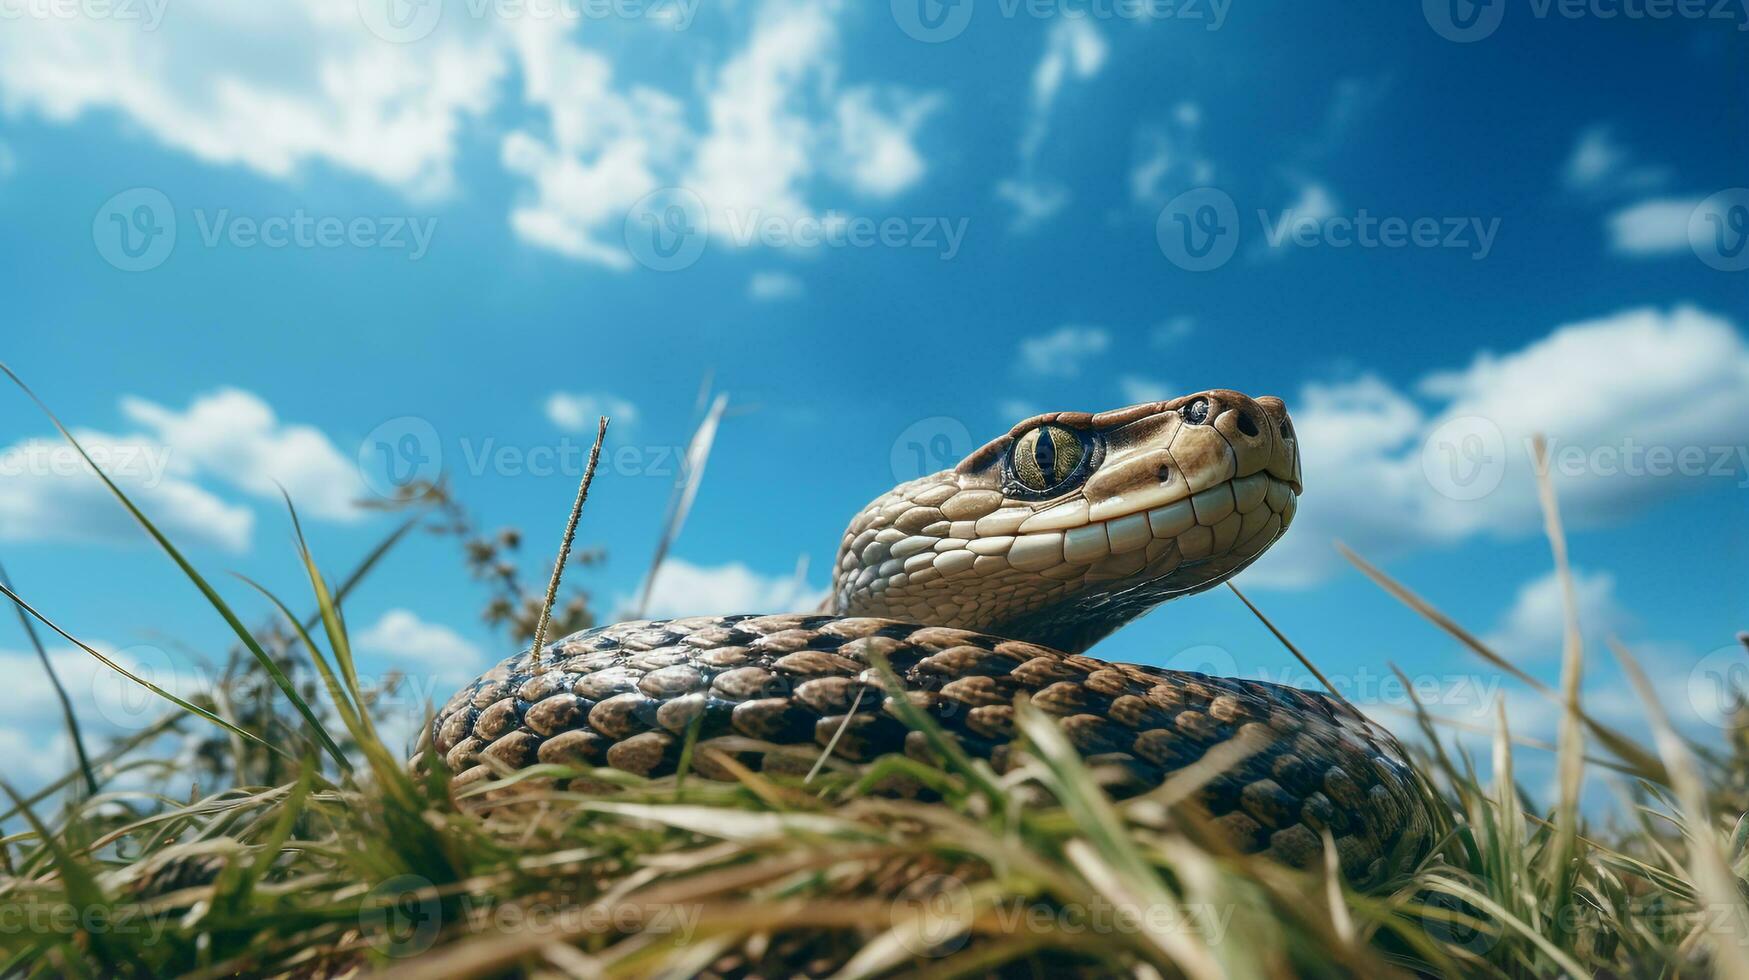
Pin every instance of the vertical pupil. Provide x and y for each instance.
(1045, 453)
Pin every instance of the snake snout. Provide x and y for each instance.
(1284, 457)
(1248, 426)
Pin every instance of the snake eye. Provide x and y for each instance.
(1197, 412)
(1045, 459)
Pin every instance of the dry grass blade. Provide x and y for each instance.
(1291, 648)
(1644, 765)
(1570, 757)
(546, 609)
(698, 452)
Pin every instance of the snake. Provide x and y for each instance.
(967, 590)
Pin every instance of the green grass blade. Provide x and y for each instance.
(365, 567)
(148, 685)
(213, 598)
(67, 715)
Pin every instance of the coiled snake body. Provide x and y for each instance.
(976, 585)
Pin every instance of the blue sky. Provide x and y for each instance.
(1434, 230)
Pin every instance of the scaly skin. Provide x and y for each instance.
(977, 587)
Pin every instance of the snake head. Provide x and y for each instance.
(1072, 524)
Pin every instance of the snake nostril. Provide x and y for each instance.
(1164, 473)
(1247, 424)
(1287, 428)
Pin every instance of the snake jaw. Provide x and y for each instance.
(1187, 492)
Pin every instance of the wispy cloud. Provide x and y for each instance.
(576, 411)
(685, 589)
(1074, 50)
(1600, 166)
(1063, 351)
(774, 286)
(1655, 227)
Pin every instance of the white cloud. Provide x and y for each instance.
(600, 150)
(283, 87)
(103, 700)
(1136, 390)
(1074, 49)
(1061, 352)
(48, 494)
(1535, 626)
(1034, 201)
(1655, 227)
(1172, 330)
(878, 142)
(1603, 391)
(400, 636)
(771, 286)
(579, 411)
(234, 435)
(684, 589)
(1013, 410)
(1600, 166)
(230, 435)
(270, 87)
(1169, 151)
(776, 122)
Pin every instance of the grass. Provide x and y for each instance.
(315, 851)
